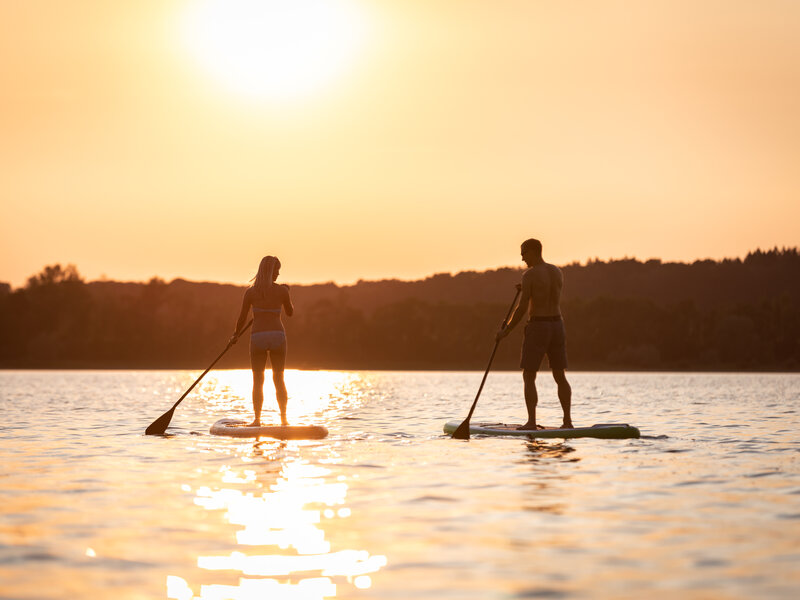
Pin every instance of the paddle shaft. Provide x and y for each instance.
(159, 426)
(463, 430)
(216, 360)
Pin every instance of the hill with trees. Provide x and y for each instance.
(734, 314)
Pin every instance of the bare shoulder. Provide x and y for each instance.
(537, 272)
(528, 277)
(554, 270)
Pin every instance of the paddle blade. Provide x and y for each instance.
(159, 426)
(462, 431)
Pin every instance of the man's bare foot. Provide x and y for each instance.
(567, 425)
(529, 427)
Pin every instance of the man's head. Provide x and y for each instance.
(531, 251)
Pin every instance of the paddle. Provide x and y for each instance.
(159, 426)
(462, 432)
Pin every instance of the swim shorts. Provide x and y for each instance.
(268, 340)
(544, 336)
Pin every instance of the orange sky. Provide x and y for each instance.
(451, 132)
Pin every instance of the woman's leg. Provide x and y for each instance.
(258, 362)
(278, 359)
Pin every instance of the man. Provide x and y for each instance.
(544, 333)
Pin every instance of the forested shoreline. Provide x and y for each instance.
(734, 314)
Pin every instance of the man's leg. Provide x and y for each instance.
(531, 397)
(564, 396)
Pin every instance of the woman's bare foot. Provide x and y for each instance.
(256, 423)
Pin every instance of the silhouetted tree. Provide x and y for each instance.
(620, 314)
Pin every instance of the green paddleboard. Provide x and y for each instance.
(606, 431)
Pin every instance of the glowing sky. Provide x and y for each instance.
(446, 133)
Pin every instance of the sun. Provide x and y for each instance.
(275, 49)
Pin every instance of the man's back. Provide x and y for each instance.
(544, 282)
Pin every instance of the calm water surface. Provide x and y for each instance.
(705, 505)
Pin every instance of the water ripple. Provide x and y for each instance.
(703, 505)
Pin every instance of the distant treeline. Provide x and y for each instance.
(623, 314)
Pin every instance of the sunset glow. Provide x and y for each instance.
(276, 49)
(371, 140)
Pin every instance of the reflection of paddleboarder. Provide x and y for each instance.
(544, 332)
(266, 298)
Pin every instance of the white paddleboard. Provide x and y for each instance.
(238, 428)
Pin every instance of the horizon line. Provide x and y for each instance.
(576, 263)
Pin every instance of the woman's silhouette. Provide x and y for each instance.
(267, 298)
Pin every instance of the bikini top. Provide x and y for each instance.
(267, 310)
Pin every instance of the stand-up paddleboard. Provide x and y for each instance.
(237, 428)
(607, 431)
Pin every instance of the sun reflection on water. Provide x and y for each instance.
(287, 520)
(283, 507)
(313, 395)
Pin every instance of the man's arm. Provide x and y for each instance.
(519, 312)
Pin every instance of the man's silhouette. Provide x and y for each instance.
(544, 333)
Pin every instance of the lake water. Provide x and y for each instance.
(705, 505)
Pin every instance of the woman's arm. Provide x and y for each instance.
(246, 303)
(287, 302)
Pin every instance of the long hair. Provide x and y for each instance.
(262, 282)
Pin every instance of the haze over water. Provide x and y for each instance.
(705, 505)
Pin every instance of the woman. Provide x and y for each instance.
(266, 298)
